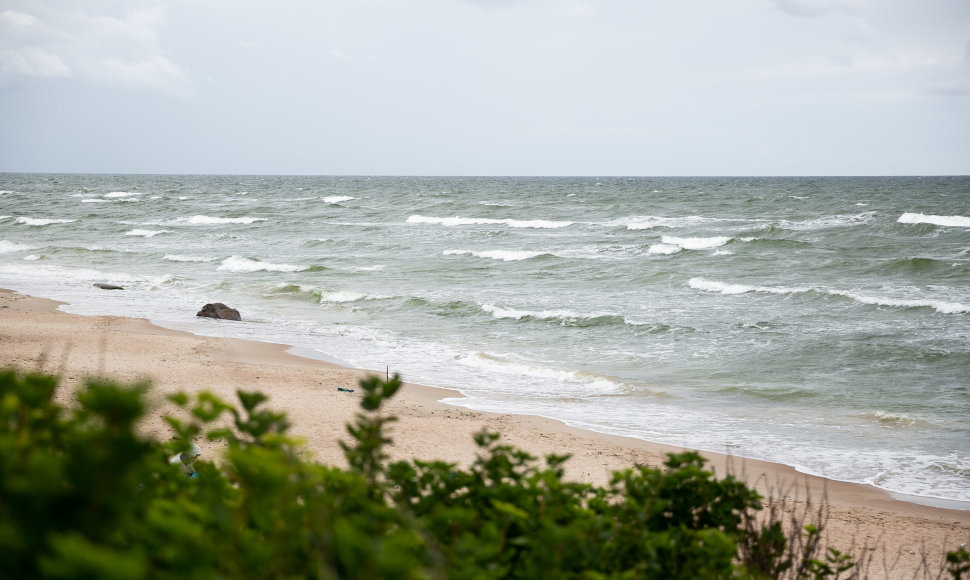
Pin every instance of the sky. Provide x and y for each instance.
(486, 87)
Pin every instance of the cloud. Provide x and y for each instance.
(61, 39)
(20, 55)
(813, 8)
(950, 90)
(31, 62)
(152, 72)
(16, 19)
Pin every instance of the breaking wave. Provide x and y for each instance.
(204, 220)
(41, 221)
(239, 264)
(647, 222)
(957, 221)
(316, 294)
(504, 255)
(563, 317)
(185, 258)
(672, 244)
(462, 221)
(940, 306)
(587, 380)
(145, 233)
(835, 221)
(7, 247)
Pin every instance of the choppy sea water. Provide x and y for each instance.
(822, 323)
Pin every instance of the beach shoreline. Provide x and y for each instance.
(36, 335)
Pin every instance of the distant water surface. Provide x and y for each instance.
(822, 323)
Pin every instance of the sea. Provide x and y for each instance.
(818, 322)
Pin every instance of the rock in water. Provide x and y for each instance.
(220, 311)
(108, 287)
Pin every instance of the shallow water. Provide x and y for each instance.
(818, 322)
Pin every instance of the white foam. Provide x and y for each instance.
(341, 296)
(562, 314)
(62, 275)
(696, 243)
(41, 221)
(338, 198)
(119, 194)
(184, 258)
(829, 222)
(541, 224)
(145, 233)
(204, 220)
(5, 191)
(495, 363)
(463, 221)
(7, 247)
(452, 221)
(504, 255)
(940, 306)
(499, 312)
(239, 264)
(663, 249)
(95, 200)
(895, 419)
(646, 222)
(727, 289)
(937, 220)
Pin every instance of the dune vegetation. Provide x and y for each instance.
(84, 495)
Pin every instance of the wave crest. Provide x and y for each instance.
(7, 247)
(204, 220)
(696, 243)
(463, 221)
(648, 222)
(27, 221)
(940, 306)
(145, 233)
(957, 221)
(504, 255)
(239, 264)
(564, 317)
(835, 221)
(184, 258)
(588, 380)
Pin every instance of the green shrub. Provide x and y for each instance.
(83, 496)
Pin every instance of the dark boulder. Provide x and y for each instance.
(220, 311)
(108, 287)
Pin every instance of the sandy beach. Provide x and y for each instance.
(35, 335)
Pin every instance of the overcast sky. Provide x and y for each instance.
(486, 87)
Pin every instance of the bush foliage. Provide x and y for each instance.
(82, 495)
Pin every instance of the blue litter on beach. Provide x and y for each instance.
(345, 390)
